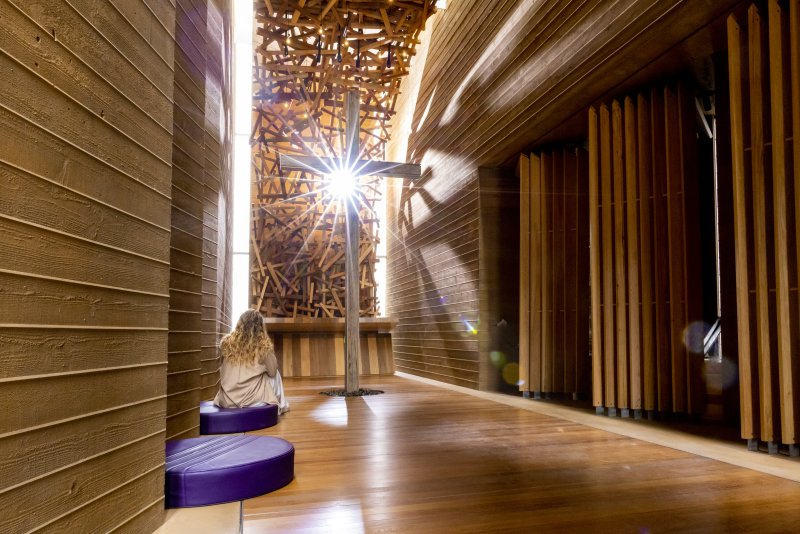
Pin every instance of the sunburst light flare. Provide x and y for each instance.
(342, 183)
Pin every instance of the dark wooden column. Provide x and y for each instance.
(352, 286)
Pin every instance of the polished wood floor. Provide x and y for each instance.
(425, 459)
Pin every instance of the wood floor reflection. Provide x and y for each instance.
(424, 459)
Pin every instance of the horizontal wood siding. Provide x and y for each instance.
(433, 275)
(503, 73)
(200, 278)
(217, 200)
(85, 182)
(491, 79)
(184, 382)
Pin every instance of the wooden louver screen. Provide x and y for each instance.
(764, 67)
(554, 276)
(645, 264)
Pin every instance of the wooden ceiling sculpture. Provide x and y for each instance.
(308, 54)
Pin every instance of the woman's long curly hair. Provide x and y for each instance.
(249, 342)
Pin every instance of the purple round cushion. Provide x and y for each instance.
(218, 469)
(216, 420)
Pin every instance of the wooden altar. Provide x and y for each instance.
(307, 346)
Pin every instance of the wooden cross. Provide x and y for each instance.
(353, 226)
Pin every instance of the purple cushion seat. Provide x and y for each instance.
(218, 469)
(216, 420)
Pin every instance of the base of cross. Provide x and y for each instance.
(357, 393)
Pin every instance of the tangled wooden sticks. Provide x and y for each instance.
(308, 54)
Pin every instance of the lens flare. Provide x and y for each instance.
(341, 183)
(511, 373)
(497, 358)
(693, 336)
(470, 328)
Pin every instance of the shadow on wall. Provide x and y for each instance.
(436, 285)
(437, 123)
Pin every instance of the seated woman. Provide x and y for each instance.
(249, 373)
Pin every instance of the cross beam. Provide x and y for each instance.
(353, 227)
(386, 169)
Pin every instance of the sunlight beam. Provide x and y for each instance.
(342, 183)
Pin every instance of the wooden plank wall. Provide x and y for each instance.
(216, 318)
(645, 263)
(186, 246)
(482, 94)
(493, 88)
(434, 236)
(200, 268)
(85, 171)
(433, 276)
(554, 272)
(764, 70)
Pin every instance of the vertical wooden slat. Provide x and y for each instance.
(661, 248)
(363, 355)
(748, 394)
(692, 262)
(558, 270)
(388, 355)
(305, 355)
(557, 279)
(620, 249)
(572, 271)
(594, 261)
(338, 349)
(677, 251)
(548, 276)
(608, 259)
(646, 256)
(291, 348)
(535, 370)
(759, 222)
(727, 246)
(286, 351)
(779, 211)
(316, 366)
(631, 182)
(583, 301)
(374, 361)
(524, 272)
(794, 61)
(547, 272)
